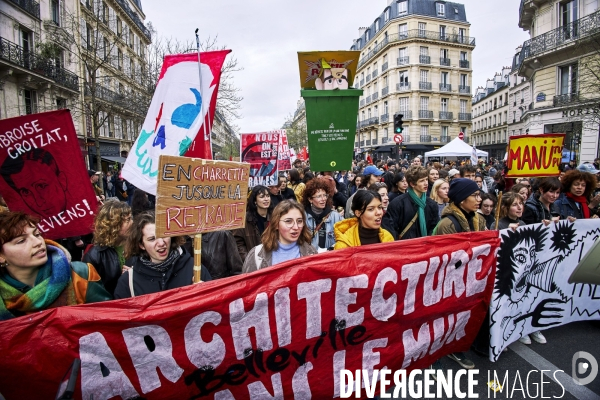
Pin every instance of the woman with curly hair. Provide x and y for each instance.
(38, 274)
(157, 264)
(286, 238)
(320, 216)
(110, 231)
(576, 201)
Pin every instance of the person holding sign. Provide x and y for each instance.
(365, 227)
(577, 187)
(37, 274)
(320, 217)
(157, 264)
(258, 212)
(286, 238)
(110, 232)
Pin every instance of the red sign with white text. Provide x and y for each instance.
(395, 305)
(42, 173)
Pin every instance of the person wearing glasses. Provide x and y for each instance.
(286, 238)
(317, 200)
(111, 226)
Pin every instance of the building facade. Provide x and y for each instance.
(560, 60)
(225, 142)
(416, 61)
(490, 115)
(88, 56)
(519, 100)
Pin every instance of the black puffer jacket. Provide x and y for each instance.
(146, 280)
(106, 261)
(402, 210)
(535, 211)
(219, 254)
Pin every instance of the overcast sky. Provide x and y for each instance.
(265, 36)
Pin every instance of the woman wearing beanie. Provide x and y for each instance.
(460, 215)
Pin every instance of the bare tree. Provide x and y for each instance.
(295, 127)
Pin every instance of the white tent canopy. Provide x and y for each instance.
(456, 148)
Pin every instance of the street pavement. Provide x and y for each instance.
(557, 354)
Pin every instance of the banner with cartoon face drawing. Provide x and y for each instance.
(531, 291)
(42, 173)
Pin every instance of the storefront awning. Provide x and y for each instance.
(120, 160)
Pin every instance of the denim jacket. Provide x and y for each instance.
(330, 221)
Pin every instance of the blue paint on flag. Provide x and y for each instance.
(185, 115)
(160, 138)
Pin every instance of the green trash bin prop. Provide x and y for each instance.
(331, 127)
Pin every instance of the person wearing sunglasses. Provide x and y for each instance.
(286, 238)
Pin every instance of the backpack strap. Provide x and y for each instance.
(258, 259)
(455, 222)
(130, 273)
(410, 224)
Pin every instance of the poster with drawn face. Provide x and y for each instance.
(42, 173)
(532, 290)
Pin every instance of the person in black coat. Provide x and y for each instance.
(403, 209)
(219, 253)
(155, 264)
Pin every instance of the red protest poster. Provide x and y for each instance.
(42, 173)
(284, 331)
(260, 151)
(283, 156)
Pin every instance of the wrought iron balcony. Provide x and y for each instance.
(384, 118)
(403, 60)
(368, 79)
(425, 114)
(464, 116)
(135, 18)
(445, 115)
(445, 61)
(425, 138)
(362, 143)
(368, 100)
(407, 114)
(368, 142)
(464, 89)
(362, 83)
(385, 91)
(582, 28)
(445, 139)
(374, 141)
(403, 87)
(415, 34)
(445, 87)
(375, 73)
(564, 99)
(15, 54)
(425, 85)
(463, 63)
(424, 59)
(362, 103)
(384, 67)
(375, 96)
(384, 140)
(32, 7)
(372, 121)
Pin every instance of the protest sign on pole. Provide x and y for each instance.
(43, 173)
(283, 153)
(196, 196)
(286, 330)
(532, 289)
(260, 151)
(176, 116)
(535, 155)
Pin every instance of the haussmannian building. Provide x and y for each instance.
(415, 60)
(560, 61)
(490, 115)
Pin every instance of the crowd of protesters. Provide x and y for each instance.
(306, 213)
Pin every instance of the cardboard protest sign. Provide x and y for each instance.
(311, 65)
(283, 331)
(43, 173)
(260, 150)
(180, 116)
(196, 196)
(284, 161)
(535, 155)
(532, 290)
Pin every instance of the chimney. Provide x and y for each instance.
(361, 31)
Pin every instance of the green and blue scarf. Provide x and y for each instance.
(420, 202)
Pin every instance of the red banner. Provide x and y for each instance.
(394, 305)
(260, 151)
(42, 173)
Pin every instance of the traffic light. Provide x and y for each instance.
(398, 123)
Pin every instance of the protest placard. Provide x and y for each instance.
(311, 67)
(532, 289)
(535, 155)
(285, 331)
(284, 162)
(196, 195)
(43, 173)
(260, 151)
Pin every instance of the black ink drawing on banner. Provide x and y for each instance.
(531, 292)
